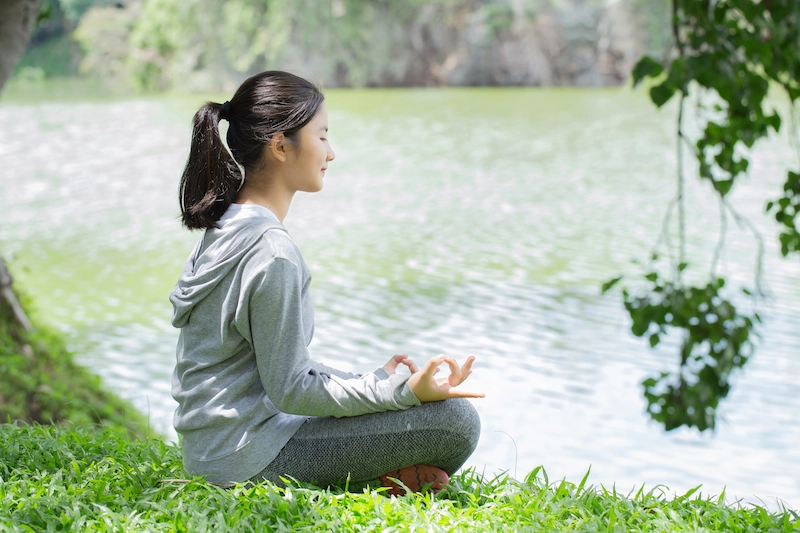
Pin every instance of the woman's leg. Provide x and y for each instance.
(326, 451)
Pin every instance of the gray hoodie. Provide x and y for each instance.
(244, 380)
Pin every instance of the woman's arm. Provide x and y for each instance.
(293, 382)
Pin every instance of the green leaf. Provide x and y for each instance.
(723, 186)
(774, 121)
(649, 383)
(646, 67)
(654, 340)
(609, 284)
(640, 326)
(45, 13)
(660, 94)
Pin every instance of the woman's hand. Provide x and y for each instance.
(428, 389)
(397, 360)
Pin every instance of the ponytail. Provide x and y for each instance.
(211, 179)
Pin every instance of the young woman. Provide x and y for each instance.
(253, 405)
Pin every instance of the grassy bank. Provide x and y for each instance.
(40, 382)
(56, 479)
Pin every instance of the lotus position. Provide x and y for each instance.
(253, 404)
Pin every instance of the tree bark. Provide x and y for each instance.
(11, 299)
(17, 20)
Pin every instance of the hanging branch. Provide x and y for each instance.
(733, 50)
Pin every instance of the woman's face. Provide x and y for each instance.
(309, 160)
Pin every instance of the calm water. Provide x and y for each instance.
(460, 221)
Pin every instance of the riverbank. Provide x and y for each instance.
(40, 382)
(77, 480)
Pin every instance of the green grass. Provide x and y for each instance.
(58, 479)
(40, 382)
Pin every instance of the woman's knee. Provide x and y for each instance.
(460, 417)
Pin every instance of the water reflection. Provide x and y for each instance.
(467, 222)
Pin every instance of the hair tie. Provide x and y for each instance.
(226, 111)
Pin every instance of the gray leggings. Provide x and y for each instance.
(325, 451)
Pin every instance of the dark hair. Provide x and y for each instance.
(265, 104)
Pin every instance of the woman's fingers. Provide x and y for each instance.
(411, 365)
(455, 372)
(432, 366)
(466, 369)
(459, 374)
(429, 389)
(468, 364)
(394, 362)
(457, 393)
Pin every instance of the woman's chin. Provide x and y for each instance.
(315, 187)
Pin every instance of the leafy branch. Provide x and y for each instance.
(727, 55)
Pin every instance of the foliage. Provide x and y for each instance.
(53, 57)
(52, 479)
(215, 44)
(52, 52)
(39, 382)
(347, 40)
(786, 210)
(717, 341)
(103, 34)
(76, 9)
(729, 53)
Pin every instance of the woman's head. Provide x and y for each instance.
(264, 106)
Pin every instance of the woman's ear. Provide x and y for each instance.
(277, 147)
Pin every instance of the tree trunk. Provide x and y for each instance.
(11, 299)
(17, 20)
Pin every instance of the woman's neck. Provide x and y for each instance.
(273, 197)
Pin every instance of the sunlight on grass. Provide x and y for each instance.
(54, 478)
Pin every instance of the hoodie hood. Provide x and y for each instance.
(218, 252)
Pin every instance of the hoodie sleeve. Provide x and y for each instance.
(325, 369)
(293, 382)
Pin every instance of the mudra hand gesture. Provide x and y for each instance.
(426, 387)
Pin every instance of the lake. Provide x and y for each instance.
(459, 221)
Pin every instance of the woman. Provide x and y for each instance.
(253, 405)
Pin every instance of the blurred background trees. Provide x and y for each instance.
(214, 44)
(17, 20)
